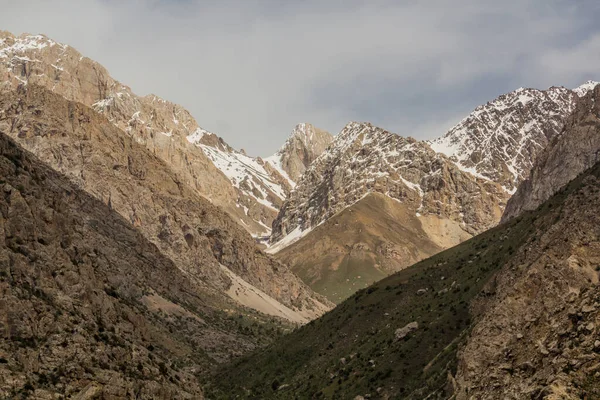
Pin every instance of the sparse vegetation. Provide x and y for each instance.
(351, 350)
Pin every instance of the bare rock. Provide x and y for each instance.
(401, 333)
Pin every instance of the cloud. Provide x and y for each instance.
(251, 70)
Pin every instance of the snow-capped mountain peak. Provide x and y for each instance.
(499, 140)
(364, 159)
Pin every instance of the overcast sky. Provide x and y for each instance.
(249, 71)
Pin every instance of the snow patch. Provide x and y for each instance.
(288, 239)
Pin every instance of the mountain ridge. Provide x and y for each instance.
(113, 167)
(165, 128)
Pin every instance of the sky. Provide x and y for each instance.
(250, 70)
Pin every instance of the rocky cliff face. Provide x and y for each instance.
(305, 144)
(574, 151)
(89, 308)
(538, 322)
(500, 140)
(364, 159)
(166, 129)
(123, 174)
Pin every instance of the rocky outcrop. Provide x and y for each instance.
(124, 175)
(305, 144)
(537, 327)
(574, 151)
(166, 129)
(364, 159)
(89, 308)
(500, 140)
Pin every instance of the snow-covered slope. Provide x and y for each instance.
(263, 184)
(261, 189)
(501, 139)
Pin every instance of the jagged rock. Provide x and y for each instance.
(202, 160)
(364, 159)
(303, 147)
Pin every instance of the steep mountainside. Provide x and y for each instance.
(199, 237)
(440, 204)
(89, 308)
(363, 159)
(266, 183)
(500, 140)
(521, 302)
(264, 188)
(362, 244)
(166, 129)
(303, 147)
(576, 150)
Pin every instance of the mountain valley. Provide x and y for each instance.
(142, 256)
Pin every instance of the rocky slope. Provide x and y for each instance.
(250, 195)
(264, 184)
(89, 308)
(444, 205)
(512, 313)
(305, 144)
(362, 244)
(537, 335)
(364, 159)
(109, 164)
(577, 149)
(500, 140)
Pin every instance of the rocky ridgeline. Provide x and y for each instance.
(364, 159)
(109, 164)
(304, 145)
(496, 144)
(243, 186)
(500, 140)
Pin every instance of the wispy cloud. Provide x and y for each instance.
(251, 70)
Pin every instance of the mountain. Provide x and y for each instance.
(564, 158)
(89, 308)
(261, 188)
(440, 204)
(305, 144)
(493, 149)
(362, 244)
(250, 192)
(512, 313)
(202, 240)
(265, 184)
(500, 140)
